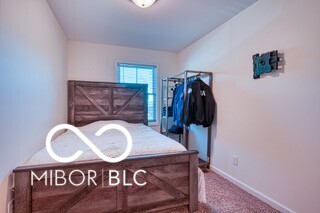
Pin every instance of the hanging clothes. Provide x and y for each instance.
(199, 106)
(178, 105)
(170, 107)
(170, 111)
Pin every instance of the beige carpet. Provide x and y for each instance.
(224, 196)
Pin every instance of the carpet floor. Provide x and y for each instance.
(224, 196)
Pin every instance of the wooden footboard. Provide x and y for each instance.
(171, 180)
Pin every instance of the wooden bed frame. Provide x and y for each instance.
(172, 179)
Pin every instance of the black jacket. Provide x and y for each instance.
(199, 106)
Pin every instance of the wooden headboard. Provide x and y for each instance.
(95, 101)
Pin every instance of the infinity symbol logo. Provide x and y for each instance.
(76, 155)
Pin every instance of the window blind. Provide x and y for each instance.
(141, 74)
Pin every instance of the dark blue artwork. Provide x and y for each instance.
(265, 63)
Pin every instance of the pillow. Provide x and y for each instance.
(95, 126)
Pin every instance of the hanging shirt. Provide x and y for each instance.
(178, 105)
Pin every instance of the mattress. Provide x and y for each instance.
(145, 141)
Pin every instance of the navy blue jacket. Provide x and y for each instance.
(178, 105)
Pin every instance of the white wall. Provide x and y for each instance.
(33, 67)
(272, 123)
(97, 62)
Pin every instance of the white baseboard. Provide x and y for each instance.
(259, 195)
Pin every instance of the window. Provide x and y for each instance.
(141, 74)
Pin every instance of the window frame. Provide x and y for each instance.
(155, 80)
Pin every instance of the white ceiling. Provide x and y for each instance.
(168, 25)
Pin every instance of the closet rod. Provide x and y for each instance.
(188, 71)
(202, 72)
(171, 79)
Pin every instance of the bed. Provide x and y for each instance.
(171, 176)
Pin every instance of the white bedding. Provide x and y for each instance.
(145, 141)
